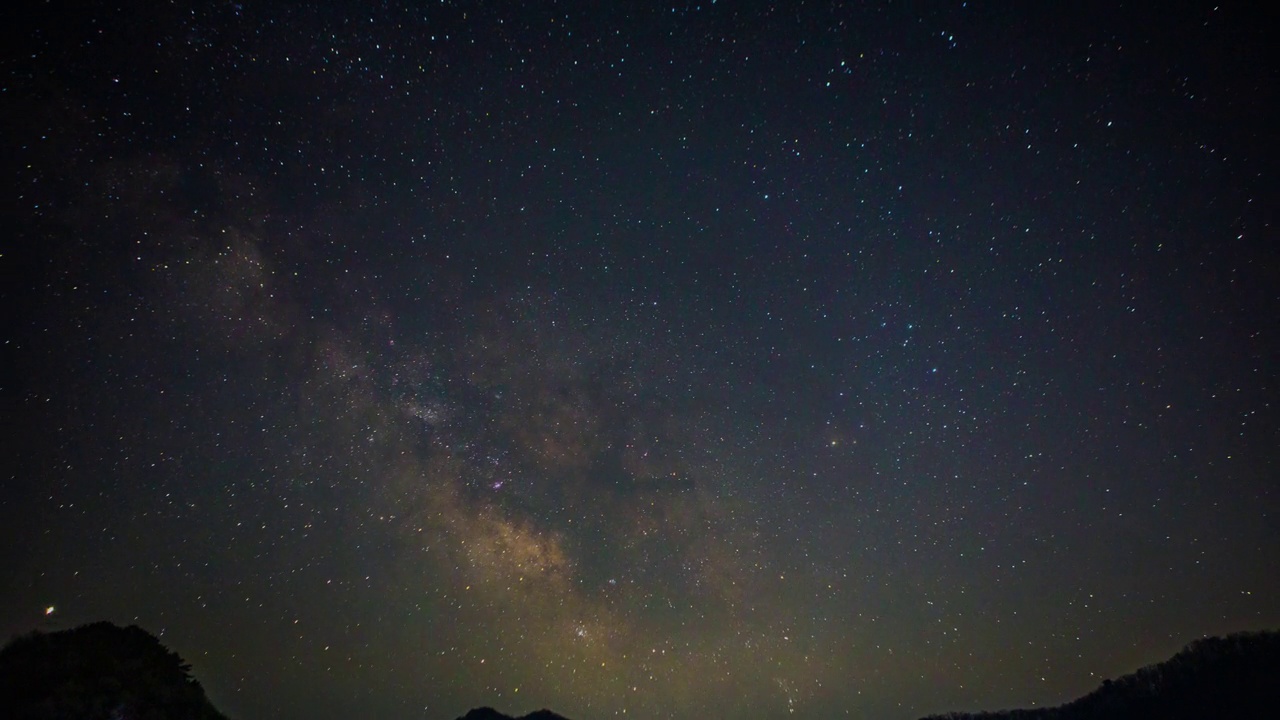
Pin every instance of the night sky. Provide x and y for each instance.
(676, 360)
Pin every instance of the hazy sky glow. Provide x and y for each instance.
(709, 360)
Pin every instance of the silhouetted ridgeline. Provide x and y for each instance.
(1236, 677)
(102, 671)
(487, 713)
(98, 672)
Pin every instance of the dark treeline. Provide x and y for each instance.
(488, 713)
(98, 672)
(103, 671)
(1234, 677)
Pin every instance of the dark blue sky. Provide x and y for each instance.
(723, 359)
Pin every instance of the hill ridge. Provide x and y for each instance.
(1236, 676)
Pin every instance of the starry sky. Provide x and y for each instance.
(711, 359)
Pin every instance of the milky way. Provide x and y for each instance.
(704, 360)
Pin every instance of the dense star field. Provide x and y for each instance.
(697, 360)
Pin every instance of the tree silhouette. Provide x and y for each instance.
(98, 672)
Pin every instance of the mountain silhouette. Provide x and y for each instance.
(488, 713)
(1235, 677)
(98, 672)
